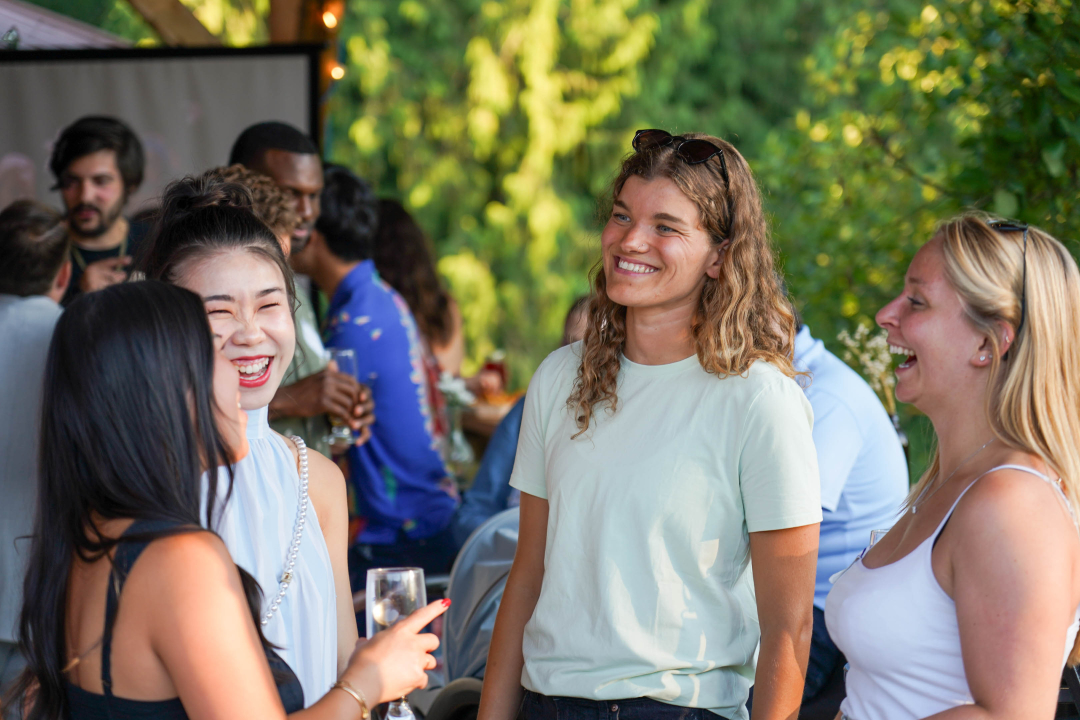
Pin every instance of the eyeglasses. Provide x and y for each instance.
(1009, 226)
(692, 151)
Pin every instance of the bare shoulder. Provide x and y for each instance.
(324, 476)
(178, 573)
(184, 556)
(1010, 506)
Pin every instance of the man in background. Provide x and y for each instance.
(314, 388)
(98, 164)
(404, 494)
(33, 278)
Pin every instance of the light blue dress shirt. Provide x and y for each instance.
(864, 476)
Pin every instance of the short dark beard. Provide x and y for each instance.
(299, 243)
(108, 219)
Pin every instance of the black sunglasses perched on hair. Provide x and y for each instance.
(693, 151)
(1010, 226)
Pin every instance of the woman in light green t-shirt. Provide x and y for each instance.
(657, 458)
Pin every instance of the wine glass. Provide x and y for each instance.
(392, 595)
(875, 536)
(340, 432)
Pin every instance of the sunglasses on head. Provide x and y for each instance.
(1010, 226)
(692, 151)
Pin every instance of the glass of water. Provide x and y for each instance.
(340, 432)
(392, 595)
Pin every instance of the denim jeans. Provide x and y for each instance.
(545, 707)
(433, 554)
(824, 659)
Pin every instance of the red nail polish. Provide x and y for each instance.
(446, 602)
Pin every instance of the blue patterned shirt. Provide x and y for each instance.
(398, 477)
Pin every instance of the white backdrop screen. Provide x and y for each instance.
(187, 110)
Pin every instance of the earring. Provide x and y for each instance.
(982, 357)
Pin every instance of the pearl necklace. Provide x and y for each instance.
(298, 532)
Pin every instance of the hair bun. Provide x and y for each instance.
(197, 192)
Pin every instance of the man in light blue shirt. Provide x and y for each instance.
(864, 479)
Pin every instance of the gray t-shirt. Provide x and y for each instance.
(26, 326)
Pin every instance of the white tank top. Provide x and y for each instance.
(899, 632)
(257, 526)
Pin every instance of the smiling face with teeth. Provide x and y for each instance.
(657, 256)
(249, 314)
(927, 325)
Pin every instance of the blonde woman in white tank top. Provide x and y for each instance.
(968, 608)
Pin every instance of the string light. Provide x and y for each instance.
(329, 19)
(337, 72)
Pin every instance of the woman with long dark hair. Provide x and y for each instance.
(657, 458)
(138, 409)
(404, 259)
(209, 241)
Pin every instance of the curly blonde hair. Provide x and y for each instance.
(742, 316)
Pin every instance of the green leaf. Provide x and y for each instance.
(1005, 203)
(1054, 157)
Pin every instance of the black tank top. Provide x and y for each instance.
(85, 705)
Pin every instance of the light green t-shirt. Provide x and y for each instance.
(647, 587)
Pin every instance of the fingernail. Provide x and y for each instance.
(446, 602)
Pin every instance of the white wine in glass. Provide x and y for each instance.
(392, 595)
(340, 434)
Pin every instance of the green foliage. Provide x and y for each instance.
(501, 123)
(915, 113)
(236, 22)
(482, 115)
(114, 16)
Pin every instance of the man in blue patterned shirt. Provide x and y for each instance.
(403, 492)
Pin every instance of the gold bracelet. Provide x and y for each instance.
(357, 695)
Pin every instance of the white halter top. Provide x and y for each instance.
(257, 526)
(899, 632)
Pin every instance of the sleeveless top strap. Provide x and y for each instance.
(127, 552)
(1022, 468)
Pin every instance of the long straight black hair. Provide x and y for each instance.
(127, 428)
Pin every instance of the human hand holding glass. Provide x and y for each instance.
(393, 594)
(344, 361)
(394, 662)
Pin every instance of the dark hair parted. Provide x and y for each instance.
(404, 260)
(204, 216)
(742, 316)
(34, 245)
(254, 141)
(350, 214)
(127, 426)
(95, 133)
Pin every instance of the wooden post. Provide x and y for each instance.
(285, 20)
(174, 23)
